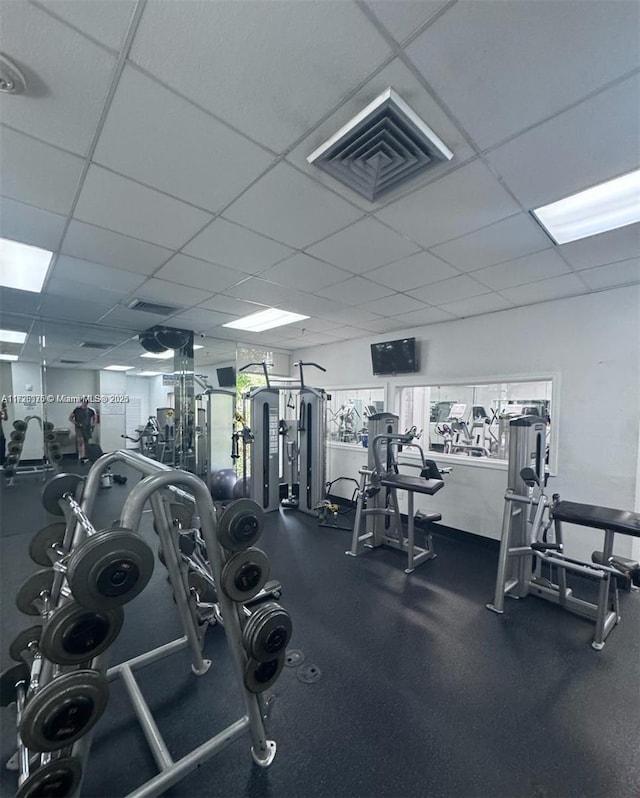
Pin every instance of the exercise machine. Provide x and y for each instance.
(312, 431)
(532, 559)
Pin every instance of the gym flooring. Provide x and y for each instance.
(422, 691)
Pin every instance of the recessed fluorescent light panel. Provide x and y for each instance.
(117, 368)
(12, 336)
(148, 374)
(23, 267)
(607, 206)
(8, 357)
(265, 320)
(198, 346)
(160, 356)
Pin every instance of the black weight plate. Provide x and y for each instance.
(293, 658)
(64, 710)
(9, 678)
(245, 574)
(240, 524)
(59, 778)
(270, 636)
(74, 634)
(49, 436)
(259, 676)
(47, 426)
(21, 642)
(12, 459)
(19, 425)
(308, 673)
(45, 540)
(109, 569)
(206, 591)
(56, 456)
(28, 597)
(9, 471)
(14, 447)
(182, 514)
(17, 437)
(55, 490)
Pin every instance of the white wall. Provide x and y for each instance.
(590, 343)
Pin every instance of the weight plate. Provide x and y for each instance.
(293, 658)
(271, 635)
(59, 778)
(206, 592)
(64, 710)
(28, 598)
(55, 489)
(9, 678)
(240, 524)
(259, 676)
(245, 574)
(17, 437)
(109, 569)
(47, 426)
(22, 641)
(19, 425)
(44, 541)
(186, 543)
(74, 634)
(9, 471)
(308, 673)
(12, 460)
(14, 447)
(56, 456)
(49, 436)
(182, 514)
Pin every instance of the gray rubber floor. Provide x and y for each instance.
(423, 692)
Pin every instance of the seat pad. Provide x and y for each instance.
(623, 521)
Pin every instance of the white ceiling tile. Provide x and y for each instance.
(235, 307)
(402, 17)
(170, 293)
(349, 333)
(30, 225)
(627, 271)
(37, 174)
(475, 60)
(112, 249)
(348, 315)
(354, 291)
(505, 240)
(567, 154)
(63, 308)
(96, 275)
(58, 286)
(616, 245)
(315, 339)
(67, 78)
(255, 289)
(198, 274)
(419, 317)
(104, 20)
(164, 141)
(304, 272)
(236, 247)
(393, 305)
(19, 301)
(529, 269)
(363, 246)
(116, 203)
(272, 93)
(411, 272)
(477, 305)
(450, 290)
(201, 319)
(406, 84)
(313, 325)
(131, 319)
(388, 325)
(289, 207)
(465, 200)
(555, 288)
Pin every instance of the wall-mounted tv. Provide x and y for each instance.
(395, 357)
(226, 377)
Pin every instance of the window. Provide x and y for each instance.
(472, 420)
(348, 411)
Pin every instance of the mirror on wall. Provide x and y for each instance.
(348, 411)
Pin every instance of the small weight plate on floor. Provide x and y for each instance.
(293, 658)
(55, 489)
(59, 778)
(245, 574)
(240, 524)
(206, 591)
(28, 597)
(308, 673)
(74, 634)
(268, 635)
(259, 676)
(64, 710)
(109, 569)
(22, 641)
(9, 678)
(45, 540)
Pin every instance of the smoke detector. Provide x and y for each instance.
(11, 79)
(382, 147)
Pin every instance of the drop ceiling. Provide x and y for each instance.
(160, 151)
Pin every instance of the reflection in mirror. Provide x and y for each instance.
(348, 411)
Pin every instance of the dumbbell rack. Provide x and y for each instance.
(51, 453)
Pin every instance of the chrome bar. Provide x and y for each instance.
(151, 732)
(149, 656)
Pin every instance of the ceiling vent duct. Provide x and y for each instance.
(152, 307)
(72, 362)
(381, 148)
(95, 345)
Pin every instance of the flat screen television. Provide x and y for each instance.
(394, 357)
(226, 377)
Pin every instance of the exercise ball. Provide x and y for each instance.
(242, 490)
(222, 484)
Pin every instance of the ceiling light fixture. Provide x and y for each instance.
(147, 374)
(8, 357)
(160, 355)
(598, 209)
(265, 320)
(117, 368)
(22, 266)
(12, 336)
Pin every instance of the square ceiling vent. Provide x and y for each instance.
(381, 148)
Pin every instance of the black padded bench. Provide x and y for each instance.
(412, 484)
(623, 521)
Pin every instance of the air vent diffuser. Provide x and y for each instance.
(383, 146)
(72, 362)
(95, 345)
(151, 307)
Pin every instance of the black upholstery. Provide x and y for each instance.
(623, 521)
(415, 484)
